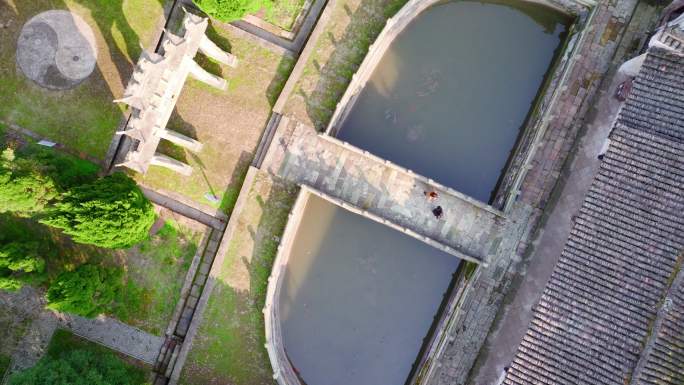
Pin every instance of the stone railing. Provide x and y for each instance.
(283, 372)
(429, 182)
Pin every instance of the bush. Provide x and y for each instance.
(88, 291)
(65, 170)
(111, 212)
(19, 262)
(24, 189)
(78, 367)
(230, 10)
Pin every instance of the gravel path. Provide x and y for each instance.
(104, 330)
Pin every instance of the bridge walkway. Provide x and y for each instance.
(384, 190)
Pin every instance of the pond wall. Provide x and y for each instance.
(529, 136)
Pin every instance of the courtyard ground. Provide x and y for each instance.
(229, 123)
(229, 347)
(83, 118)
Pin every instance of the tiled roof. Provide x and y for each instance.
(597, 312)
(656, 102)
(664, 363)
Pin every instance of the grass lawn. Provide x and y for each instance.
(63, 342)
(229, 347)
(229, 123)
(283, 13)
(5, 361)
(340, 50)
(155, 271)
(83, 118)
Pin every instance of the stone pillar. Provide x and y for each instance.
(210, 49)
(200, 74)
(182, 140)
(172, 164)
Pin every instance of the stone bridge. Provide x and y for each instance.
(384, 191)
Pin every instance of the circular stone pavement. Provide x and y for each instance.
(56, 49)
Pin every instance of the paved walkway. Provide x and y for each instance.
(301, 155)
(517, 315)
(104, 330)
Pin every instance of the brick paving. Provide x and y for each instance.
(384, 190)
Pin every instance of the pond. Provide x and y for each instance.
(449, 98)
(358, 298)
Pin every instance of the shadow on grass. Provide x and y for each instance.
(230, 196)
(350, 50)
(283, 71)
(83, 118)
(230, 345)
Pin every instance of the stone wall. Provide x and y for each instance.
(283, 372)
(589, 62)
(376, 51)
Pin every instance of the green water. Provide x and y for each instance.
(358, 298)
(450, 96)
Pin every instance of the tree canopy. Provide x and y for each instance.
(18, 260)
(24, 189)
(230, 10)
(78, 367)
(89, 290)
(110, 212)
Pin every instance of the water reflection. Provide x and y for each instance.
(358, 298)
(450, 96)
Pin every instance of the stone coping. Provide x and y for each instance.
(427, 181)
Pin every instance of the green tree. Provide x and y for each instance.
(111, 212)
(230, 10)
(19, 262)
(88, 291)
(24, 189)
(79, 367)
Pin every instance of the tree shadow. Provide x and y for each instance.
(111, 18)
(234, 319)
(230, 195)
(87, 99)
(277, 84)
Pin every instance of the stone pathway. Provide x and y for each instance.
(104, 330)
(455, 364)
(518, 314)
(384, 190)
(217, 221)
